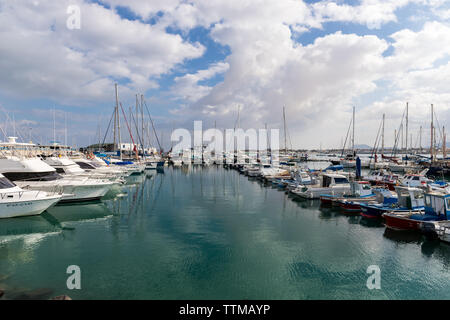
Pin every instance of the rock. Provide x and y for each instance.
(2, 292)
(63, 297)
(37, 294)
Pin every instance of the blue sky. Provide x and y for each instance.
(200, 60)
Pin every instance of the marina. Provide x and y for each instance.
(212, 153)
(212, 233)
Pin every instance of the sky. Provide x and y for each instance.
(205, 59)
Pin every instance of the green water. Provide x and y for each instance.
(214, 234)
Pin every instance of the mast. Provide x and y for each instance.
(382, 136)
(54, 127)
(142, 126)
(353, 134)
(431, 144)
(444, 144)
(407, 110)
(284, 121)
(118, 121)
(420, 139)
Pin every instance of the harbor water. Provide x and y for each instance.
(211, 233)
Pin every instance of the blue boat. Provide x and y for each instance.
(436, 210)
(408, 200)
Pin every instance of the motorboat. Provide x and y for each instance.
(16, 202)
(35, 174)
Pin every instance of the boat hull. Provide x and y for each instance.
(401, 222)
(27, 207)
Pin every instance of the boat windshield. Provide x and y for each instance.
(340, 180)
(6, 184)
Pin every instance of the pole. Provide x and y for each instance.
(407, 110)
(431, 143)
(420, 139)
(444, 146)
(118, 121)
(382, 136)
(284, 121)
(353, 134)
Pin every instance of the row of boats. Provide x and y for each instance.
(33, 179)
(409, 202)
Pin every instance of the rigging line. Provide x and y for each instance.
(439, 128)
(107, 130)
(377, 142)
(123, 112)
(8, 118)
(345, 142)
(153, 126)
(394, 149)
(137, 131)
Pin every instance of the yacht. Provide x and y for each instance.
(16, 202)
(35, 174)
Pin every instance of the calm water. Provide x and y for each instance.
(214, 234)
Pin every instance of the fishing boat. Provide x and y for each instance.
(408, 200)
(435, 209)
(16, 202)
(330, 183)
(359, 191)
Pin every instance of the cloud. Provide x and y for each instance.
(41, 57)
(372, 13)
(188, 88)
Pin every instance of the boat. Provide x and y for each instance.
(35, 174)
(330, 183)
(360, 191)
(435, 209)
(16, 202)
(437, 229)
(408, 200)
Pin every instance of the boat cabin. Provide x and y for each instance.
(415, 180)
(329, 180)
(64, 165)
(6, 184)
(361, 189)
(410, 198)
(438, 204)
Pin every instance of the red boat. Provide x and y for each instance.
(350, 206)
(401, 221)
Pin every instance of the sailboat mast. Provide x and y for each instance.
(420, 139)
(284, 121)
(407, 110)
(444, 144)
(54, 127)
(431, 144)
(118, 120)
(382, 136)
(353, 134)
(142, 126)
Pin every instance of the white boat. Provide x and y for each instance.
(35, 174)
(68, 167)
(333, 184)
(16, 202)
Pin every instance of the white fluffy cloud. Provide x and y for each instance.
(40, 57)
(265, 70)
